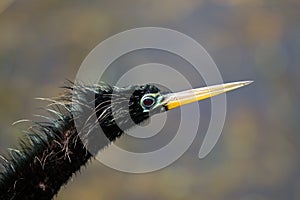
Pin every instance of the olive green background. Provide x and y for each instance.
(42, 43)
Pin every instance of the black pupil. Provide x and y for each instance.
(148, 102)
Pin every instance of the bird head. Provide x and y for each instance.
(119, 109)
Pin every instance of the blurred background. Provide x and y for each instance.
(42, 43)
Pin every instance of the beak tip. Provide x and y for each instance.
(248, 82)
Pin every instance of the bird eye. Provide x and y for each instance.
(148, 101)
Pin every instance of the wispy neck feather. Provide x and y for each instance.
(52, 153)
(55, 150)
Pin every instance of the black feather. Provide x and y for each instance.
(55, 150)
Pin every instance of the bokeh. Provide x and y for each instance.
(42, 43)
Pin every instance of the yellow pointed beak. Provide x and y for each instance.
(175, 100)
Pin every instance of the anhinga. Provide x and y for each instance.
(54, 152)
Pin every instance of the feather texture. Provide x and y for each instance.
(55, 150)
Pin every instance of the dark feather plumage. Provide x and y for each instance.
(55, 150)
